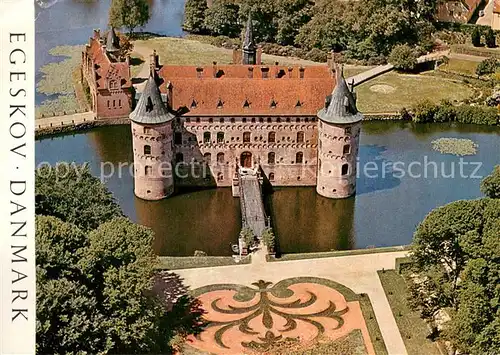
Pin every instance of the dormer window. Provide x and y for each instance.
(149, 105)
(220, 104)
(193, 104)
(246, 104)
(273, 103)
(298, 104)
(113, 84)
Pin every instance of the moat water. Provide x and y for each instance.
(394, 191)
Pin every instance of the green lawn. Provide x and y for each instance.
(413, 329)
(392, 91)
(189, 262)
(460, 66)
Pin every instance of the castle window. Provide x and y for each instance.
(278, 119)
(271, 158)
(297, 119)
(298, 104)
(253, 119)
(113, 84)
(306, 119)
(273, 103)
(220, 104)
(221, 120)
(347, 149)
(271, 176)
(193, 104)
(299, 157)
(246, 137)
(210, 120)
(319, 165)
(220, 158)
(269, 120)
(177, 138)
(288, 119)
(114, 103)
(246, 104)
(271, 138)
(179, 157)
(206, 137)
(109, 104)
(244, 120)
(220, 176)
(347, 130)
(147, 149)
(148, 170)
(345, 169)
(220, 137)
(147, 130)
(300, 137)
(261, 119)
(198, 120)
(188, 119)
(207, 158)
(232, 119)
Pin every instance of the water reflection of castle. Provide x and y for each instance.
(245, 114)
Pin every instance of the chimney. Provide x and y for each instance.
(97, 34)
(199, 72)
(214, 69)
(290, 70)
(258, 59)
(265, 72)
(301, 72)
(276, 69)
(250, 72)
(169, 95)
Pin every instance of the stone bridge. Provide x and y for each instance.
(249, 189)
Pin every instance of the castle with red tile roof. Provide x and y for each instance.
(198, 125)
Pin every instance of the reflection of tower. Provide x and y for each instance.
(152, 142)
(339, 127)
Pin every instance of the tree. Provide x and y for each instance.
(126, 46)
(487, 66)
(128, 13)
(95, 292)
(194, 14)
(490, 186)
(70, 192)
(476, 37)
(222, 19)
(403, 57)
(490, 38)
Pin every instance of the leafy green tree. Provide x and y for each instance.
(222, 19)
(490, 38)
(70, 192)
(291, 16)
(128, 13)
(96, 293)
(403, 57)
(490, 186)
(194, 15)
(487, 66)
(476, 37)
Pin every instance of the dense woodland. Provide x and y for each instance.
(360, 29)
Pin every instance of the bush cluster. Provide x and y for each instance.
(426, 112)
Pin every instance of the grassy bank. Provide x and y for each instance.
(393, 91)
(190, 262)
(413, 329)
(331, 254)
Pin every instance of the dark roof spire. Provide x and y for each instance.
(150, 109)
(112, 41)
(248, 43)
(342, 106)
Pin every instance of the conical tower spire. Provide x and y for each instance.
(248, 42)
(342, 107)
(150, 109)
(112, 41)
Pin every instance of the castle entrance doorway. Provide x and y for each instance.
(246, 160)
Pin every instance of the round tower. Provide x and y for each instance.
(152, 132)
(338, 142)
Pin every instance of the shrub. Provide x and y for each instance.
(268, 238)
(403, 57)
(248, 237)
(424, 111)
(477, 114)
(490, 38)
(490, 186)
(476, 37)
(317, 55)
(487, 66)
(444, 113)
